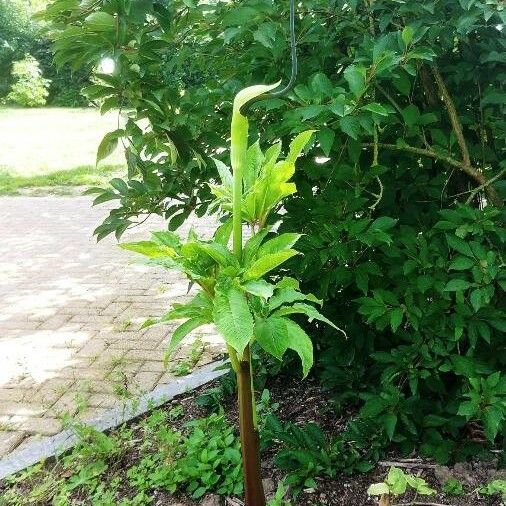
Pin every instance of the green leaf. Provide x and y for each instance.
(455, 285)
(326, 138)
(378, 489)
(287, 293)
(411, 115)
(396, 480)
(355, 76)
(180, 333)
(267, 263)
(232, 317)
(224, 172)
(309, 311)
(149, 248)
(279, 243)
(100, 22)
(254, 160)
(259, 287)
(493, 417)
(396, 317)
(390, 422)
(108, 144)
(461, 263)
(223, 232)
(457, 244)
(376, 108)
(276, 335)
(297, 145)
(350, 126)
(407, 35)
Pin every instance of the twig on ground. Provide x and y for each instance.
(407, 465)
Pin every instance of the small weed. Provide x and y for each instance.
(186, 365)
(453, 487)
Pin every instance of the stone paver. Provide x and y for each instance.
(71, 311)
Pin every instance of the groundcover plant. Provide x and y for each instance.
(238, 292)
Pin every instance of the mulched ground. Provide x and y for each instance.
(314, 405)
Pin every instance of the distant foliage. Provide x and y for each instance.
(30, 88)
(20, 34)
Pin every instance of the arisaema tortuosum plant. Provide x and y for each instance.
(240, 292)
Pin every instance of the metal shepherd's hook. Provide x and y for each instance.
(293, 76)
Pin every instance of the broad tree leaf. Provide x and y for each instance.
(455, 285)
(276, 335)
(232, 316)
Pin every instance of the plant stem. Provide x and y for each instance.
(253, 488)
(254, 494)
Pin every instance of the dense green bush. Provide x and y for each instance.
(400, 198)
(30, 89)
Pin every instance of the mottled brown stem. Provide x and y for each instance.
(253, 488)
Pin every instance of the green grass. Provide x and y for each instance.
(59, 181)
(38, 141)
(54, 149)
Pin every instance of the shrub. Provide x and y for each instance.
(30, 88)
(408, 103)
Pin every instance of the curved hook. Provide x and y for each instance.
(293, 76)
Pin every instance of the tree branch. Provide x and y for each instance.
(452, 113)
(472, 172)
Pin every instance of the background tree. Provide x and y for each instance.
(20, 34)
(29, 88)
(401, 199)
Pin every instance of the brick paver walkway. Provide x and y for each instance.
(70, 316)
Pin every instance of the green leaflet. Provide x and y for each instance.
(149, 248)
(254, 160)
(232, 316)
(219, 253)
(223, 232)
(259, 287)
(267, 263)
(276, 335)
(309, 311)
(167, 238)
(279, 243)
(180, 333)
(298, 144)
(252, 245)
(288, 295)
(224, 172)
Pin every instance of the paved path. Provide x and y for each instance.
(70, 316)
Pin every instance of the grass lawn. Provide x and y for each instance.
(54, 147)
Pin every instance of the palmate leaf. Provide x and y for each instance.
(232, 316)
(309, 311)
(267, 263)
(276, 335)
(180, 333)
